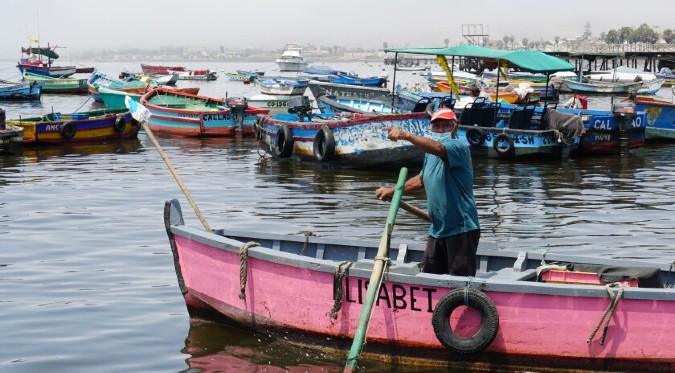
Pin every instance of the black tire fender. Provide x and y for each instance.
(502, 137)
(67, 130)
(473, 298)
(324, 145)
(283, 147)
(475, 136)
(120, 124)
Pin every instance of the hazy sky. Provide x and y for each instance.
(270, 24)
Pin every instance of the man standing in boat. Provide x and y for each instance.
(447, 177)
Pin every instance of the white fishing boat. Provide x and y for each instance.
(291, 59)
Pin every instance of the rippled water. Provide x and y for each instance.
(87, 281)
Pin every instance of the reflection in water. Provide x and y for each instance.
(219, 348)
(42, 153)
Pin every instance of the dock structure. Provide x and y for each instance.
(601, 56)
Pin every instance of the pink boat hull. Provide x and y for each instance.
(551, 328)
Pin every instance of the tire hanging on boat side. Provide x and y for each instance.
(67, 130)
(120, 124)
(475, 136)
(324, 145)
(473, 298)
(283, 147)
(502, 137)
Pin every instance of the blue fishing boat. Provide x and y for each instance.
(349, 139)
(659, 117)
(372, 81)
(282, 86)
(20, 91)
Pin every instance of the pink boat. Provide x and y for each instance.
(569, 313)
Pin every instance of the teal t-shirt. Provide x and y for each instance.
(449, 187)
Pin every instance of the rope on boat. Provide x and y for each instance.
(614, 297)
(338, 279)
(670, 270)
(466, 291)
(304, 246)
(243, 267)
(85, 101)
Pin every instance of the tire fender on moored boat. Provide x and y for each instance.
(324, 145)
(120, 124)
(473, 298)
(475, 136)
(502, 137)
(67, 130)
(283, 147)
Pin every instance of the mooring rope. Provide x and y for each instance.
(466, 291)
(670, 270)
(243, 267)
(338, 279)
(304, 246)
(607, 315)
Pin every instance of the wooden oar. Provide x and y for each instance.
(182, 186)
(375, 276)
(415, 211)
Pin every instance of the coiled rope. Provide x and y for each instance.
(614, 297)
(243, 267)
(338, 279)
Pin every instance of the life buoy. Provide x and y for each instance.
(475, 136)
(119, 124)
(67, 130)
(283, 147)
(324, 145)
(489, 324)
(502, 138)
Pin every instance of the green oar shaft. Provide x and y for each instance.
(376, 276)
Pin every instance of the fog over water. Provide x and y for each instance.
(81, 25)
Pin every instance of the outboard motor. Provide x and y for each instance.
(624, 113)
(238, 106)
(300, 105)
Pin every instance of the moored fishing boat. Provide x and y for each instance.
(195, 74)
(534, 311)
(282, 86)
(59, 85)
(182, 114)
(373, 81)
(98, 80)
(349, 139)
(159, 69)
(81, 127)
(319, 88)
(114, 99)
(34, 63)
(659, 117)
(598, 86)
(20, 90)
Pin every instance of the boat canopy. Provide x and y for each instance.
(533, 61)
(47, 52)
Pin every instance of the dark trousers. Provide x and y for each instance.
(455, 255)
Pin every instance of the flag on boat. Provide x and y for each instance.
(138, 111)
